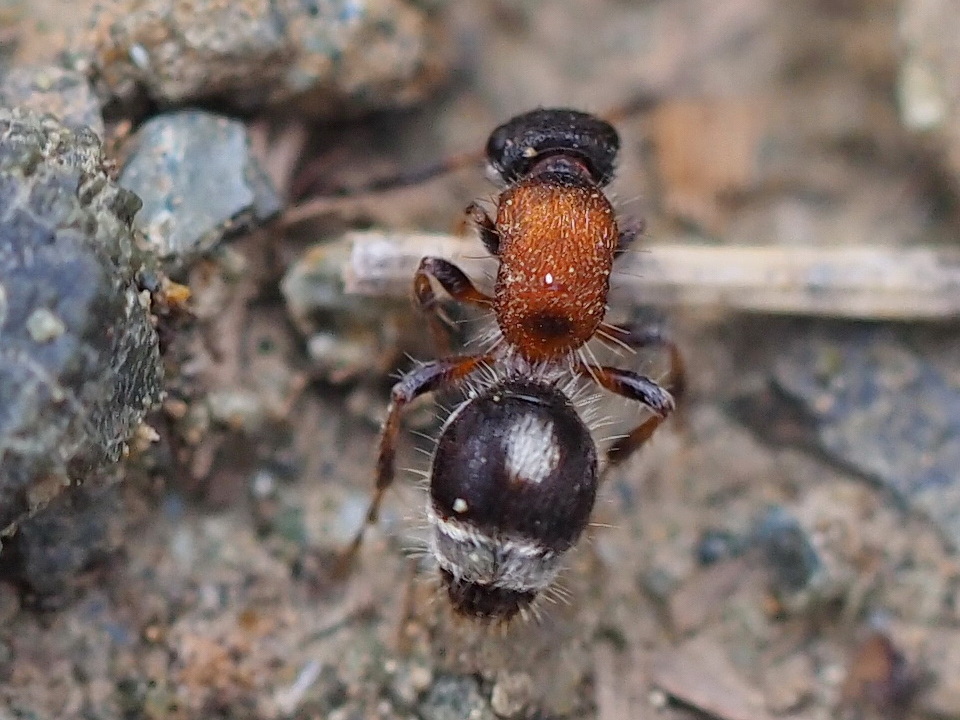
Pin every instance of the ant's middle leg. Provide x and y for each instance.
(653, 336)
(637, 387)
(455, 282)
(423, 379)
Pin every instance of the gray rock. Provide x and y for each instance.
(198, 181)
(79, 358)
(66, 94)
(882, 409)
(329, 57)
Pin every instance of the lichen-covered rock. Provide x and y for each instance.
(198, 180)
(326, 56)
(79, 358)
(66, 94)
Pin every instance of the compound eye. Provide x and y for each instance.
(498, 146)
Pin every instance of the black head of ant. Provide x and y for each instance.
(573, 139)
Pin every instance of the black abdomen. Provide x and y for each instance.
(518, 461)
(513, 485)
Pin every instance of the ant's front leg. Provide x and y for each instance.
(423, 379)
(637, 387)
(455, 282)
(632, 230)
(489, 235)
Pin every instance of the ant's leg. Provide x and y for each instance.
(453, 280)
(313, 201)
(419, 381)
(631, 385)
(488, 229)
(647, 336)
(632, 230)
(311, 174)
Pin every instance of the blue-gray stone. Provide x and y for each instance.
(198, 181)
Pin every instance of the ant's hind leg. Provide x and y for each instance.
(637, 387)
(421, 380)
(455, 282)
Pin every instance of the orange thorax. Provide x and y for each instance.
(558, 235)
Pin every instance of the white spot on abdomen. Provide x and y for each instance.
(531, 450)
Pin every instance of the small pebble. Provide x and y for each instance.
(455, 698)
(928, 86)
(789, 683)
(789, 552)
(408, 683)
(511, 694)
(716, 545)
(44, 326)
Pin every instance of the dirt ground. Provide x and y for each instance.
(773, 125)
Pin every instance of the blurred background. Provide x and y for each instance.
(787, 548)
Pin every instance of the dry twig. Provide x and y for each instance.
(873, 283)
